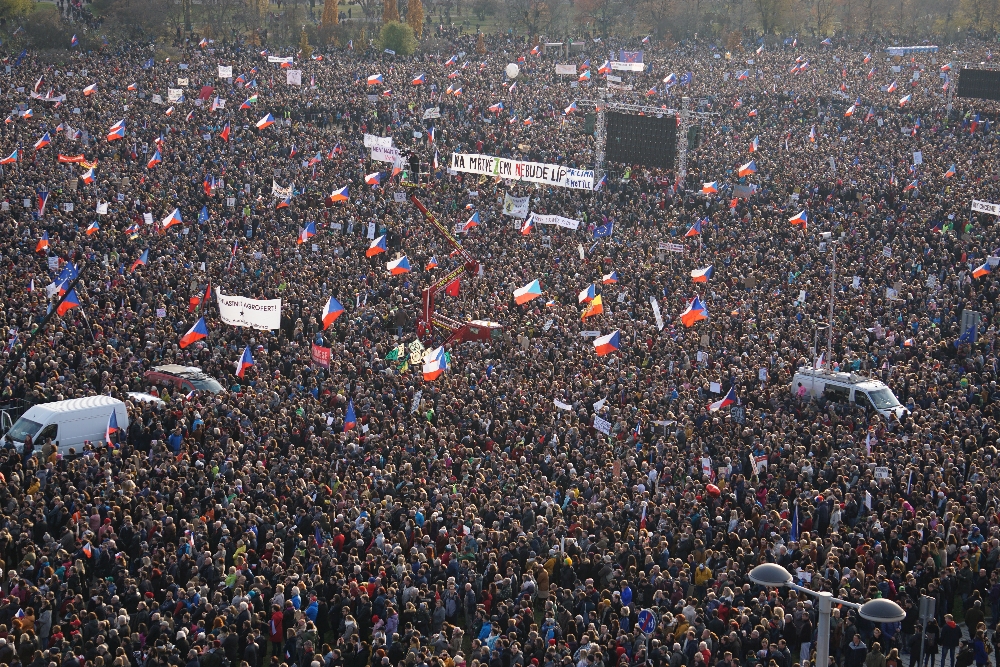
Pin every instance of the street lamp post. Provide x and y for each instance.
(878, 610)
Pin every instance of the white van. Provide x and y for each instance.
(70, 423)
(847, 388)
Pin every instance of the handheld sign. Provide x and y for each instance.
(646, 622)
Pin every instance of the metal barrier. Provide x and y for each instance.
(10, 412)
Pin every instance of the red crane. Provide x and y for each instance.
(459, 331)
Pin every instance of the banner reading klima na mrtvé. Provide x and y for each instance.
(518, 170)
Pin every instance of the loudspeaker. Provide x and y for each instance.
(979, 84)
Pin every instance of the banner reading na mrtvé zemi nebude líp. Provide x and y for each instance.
(518, 170)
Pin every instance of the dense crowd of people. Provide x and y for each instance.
(480, 519)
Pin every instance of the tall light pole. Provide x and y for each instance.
(878, 610)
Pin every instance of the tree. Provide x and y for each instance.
(390, 12)
(982, 14)
(10, 9)
(415, 17)
(304, 46)
(331, 16)
(398, 37)
(602, 14)
(771, 13)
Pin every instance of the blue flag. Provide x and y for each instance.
(148, 64)
(17, 62)
(203, 215)
(794, 535)
(968, 337)
(604, 230)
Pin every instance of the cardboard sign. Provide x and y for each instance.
(602, 425)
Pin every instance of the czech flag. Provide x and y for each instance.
(373, 179)
(43, 142)
(173, 219)
(284, 203)
(143, 258)
(695, 229)
(245, 362)
(744, 75)
(351, 419)
(702, 275)
(983, 270)
(912, 185)
(195, 333)
(266, 121)
(71, 301)
(90, 90)
(749, 168)
(43, 243)
(605, 68)
(754, 144)
(454, 74)
(93, 228)
(331, 311)
(111, 429)
(432, 263)
(43, 199)
(252, 100)
(457, 91)
(607, 344)
(850, 111)
(729, 399)
(801, 219)
(570, 109)
(587, 294)
(584, 77)
(11, 158)
(670, 79)
(132, 230)
(435, 365)
(596, 307)
(871, 72)
(224, 135)
(892, 87)
(155, 160)
(496, 108)
(307, 232)
(610, 278)
(316, 159)
(947, 174)
(946, 67)
(375, 80)
(74, 41)
(528, 225)
(710, 188)
(868, 58)
(903, 102)
(827, 42)
(525, 294)
(28, 114)
(419, 80)
(117, 131)
(695, 312)
(471, 222)
(752, 113)
(398, 266)
(377, 246)
(88, 176)
(337, 195)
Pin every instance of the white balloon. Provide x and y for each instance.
(512, 70)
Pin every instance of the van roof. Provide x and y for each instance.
(186, 372)
(846, 378)
(76, 404)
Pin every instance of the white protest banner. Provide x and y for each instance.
(557, 220)
(385, 154)
(278, 191)
(225, 71)
(590, 334)
(293, 77)
(415, 405)
(533, 172)
(174, 94)
(881, 472)
(375, 140)
(985, 207)
(156, 99)
(182, 82)
(918, 157)
(238, 311)
(287, 60)
(433, 112)
(562, 406)
(399, 197)
(102, 208)
(672, 247)
(565, 69)
(602, 425)
(656, 312)
(516, 207)
(626, 67)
